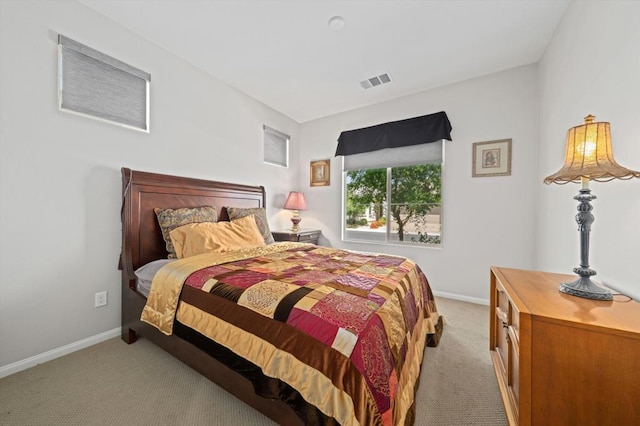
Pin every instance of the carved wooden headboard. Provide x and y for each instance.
(143, 191)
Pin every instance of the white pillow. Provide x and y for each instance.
(145, 274)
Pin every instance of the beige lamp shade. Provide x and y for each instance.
(589, 155)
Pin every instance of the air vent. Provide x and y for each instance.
(375, 81)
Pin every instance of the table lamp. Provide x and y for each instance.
(295, 201)
(588, 156)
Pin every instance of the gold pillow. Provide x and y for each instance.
(197, 238)
(260, 215)
(170, 219)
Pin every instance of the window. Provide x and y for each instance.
(394, 195)
(276, 147)
(96, 85)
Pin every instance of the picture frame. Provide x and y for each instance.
(320, 173)
(492, 158)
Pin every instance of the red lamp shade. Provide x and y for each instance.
(295, 201)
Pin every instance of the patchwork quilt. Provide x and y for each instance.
(346, 330)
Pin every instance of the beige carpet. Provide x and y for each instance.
(113, 383)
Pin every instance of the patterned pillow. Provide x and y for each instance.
(170, 219)
(259, 214)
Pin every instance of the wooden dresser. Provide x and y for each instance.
(561, 359)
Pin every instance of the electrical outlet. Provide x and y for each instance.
(101, 299)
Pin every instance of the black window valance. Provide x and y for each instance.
(412, 131)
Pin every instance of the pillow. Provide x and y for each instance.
(145, 274)
(260, 214)
(197, 238)
(170, 219)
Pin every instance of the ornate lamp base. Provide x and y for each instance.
(584, 287)
(295, 220)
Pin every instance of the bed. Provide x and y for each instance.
(292, 329)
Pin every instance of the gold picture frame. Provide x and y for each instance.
(320, 173)
(492, 158)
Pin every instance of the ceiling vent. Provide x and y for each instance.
(375, 81)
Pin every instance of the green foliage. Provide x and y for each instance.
(415, 190)
(353, 211)
(367, 187)
(427, 239)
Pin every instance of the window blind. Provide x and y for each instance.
(276, 147)
(395, 157)
(97, 85)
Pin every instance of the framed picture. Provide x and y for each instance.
(492, 158)
(320, 173)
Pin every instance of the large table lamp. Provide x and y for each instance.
(588, 157)
(295, 201)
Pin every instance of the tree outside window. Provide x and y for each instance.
(394, 204)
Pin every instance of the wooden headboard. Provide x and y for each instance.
(143, 191)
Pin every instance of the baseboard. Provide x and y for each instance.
(455, 296)
(57, 353)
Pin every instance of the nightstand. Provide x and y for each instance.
(562, 359)
(302, 236)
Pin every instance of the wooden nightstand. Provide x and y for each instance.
(302, 236)
(561, 359)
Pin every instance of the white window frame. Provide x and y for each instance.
(387, 159)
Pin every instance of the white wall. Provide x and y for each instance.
(488, 220)
(592, 66)
(60, 173)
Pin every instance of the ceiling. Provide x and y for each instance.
(284, 53)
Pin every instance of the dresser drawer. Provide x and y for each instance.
(502, 300)
(305, 238)
(507, 311)
(514, 373)
(502, 346)
(501, 313)
(302, 236)
(514, 322)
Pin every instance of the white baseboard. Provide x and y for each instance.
(18, 366)
(454, 296)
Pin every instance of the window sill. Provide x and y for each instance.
(394, 244)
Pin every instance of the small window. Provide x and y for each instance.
(96, 85)
(276, 147)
